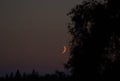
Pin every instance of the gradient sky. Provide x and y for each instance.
(32, 34)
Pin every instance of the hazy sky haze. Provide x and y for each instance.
(33, 33)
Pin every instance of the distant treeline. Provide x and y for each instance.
(34, 76)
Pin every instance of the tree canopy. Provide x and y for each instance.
(95, 44)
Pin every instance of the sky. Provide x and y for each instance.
(33, 34)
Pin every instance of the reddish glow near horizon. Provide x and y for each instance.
(64, 49)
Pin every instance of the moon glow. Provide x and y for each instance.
(64, 50)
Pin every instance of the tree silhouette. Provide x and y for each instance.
(18, 75)
(11, 75)
(95, 40)
(34, 76)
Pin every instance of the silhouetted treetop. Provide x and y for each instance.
(17, 74)
(95, 40)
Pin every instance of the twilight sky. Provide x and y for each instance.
(32, 34)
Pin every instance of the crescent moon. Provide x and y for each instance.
(64, 50)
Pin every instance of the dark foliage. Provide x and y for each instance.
(95, 44)
(34, 76)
